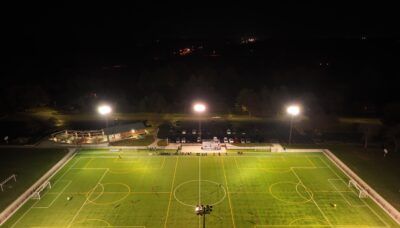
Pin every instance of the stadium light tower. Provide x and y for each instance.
(203, 210)
(292, 110)
(105, 111)
(199, 108)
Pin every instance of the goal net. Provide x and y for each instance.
(38, 192)
(3, 183)
(361, 192)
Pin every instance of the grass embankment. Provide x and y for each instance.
(29, 165)
(147, 140)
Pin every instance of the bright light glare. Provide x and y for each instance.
(104, 109)
(197, 209)
(199, 107)
(293, 110)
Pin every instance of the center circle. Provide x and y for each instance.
(193, 192)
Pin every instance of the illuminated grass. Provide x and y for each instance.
(251, 190)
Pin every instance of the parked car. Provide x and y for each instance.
(231, 140)
(194, 131)
(248, 141)
(226, 140)
(228, 132)
(183, 140)
(178, 140)
(242, 140)
(183, 132)
(215, 139)
(198, 140)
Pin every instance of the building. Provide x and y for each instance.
(111, 134)
(126, 131)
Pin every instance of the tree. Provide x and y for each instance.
(392, 135)
(368, 131)
(265, 101)
(248, 101)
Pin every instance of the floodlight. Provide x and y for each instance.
(104, 109)
(199, 107)
(293, 110)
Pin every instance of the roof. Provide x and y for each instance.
(124, 128)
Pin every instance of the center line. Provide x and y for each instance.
(199, 188)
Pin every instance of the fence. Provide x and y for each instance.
(395, 214)
(14, 206)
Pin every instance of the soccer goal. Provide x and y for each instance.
(38, 192)
(12, 177)
(361, 192)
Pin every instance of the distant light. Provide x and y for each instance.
(133, 131)
(293, 110)
(197, 209)
(104, 109)
(199, 107)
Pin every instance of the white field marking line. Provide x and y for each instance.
(297, 167)
(87, 164)
(312, 163)
(373, 211)
(162, 166)
(330, 182)
(96, 226)
(323, 214)
(227, 190)
(26, 212)
(84, 203)
(59, 194)
(339, 226)
(172, 189)
(200, 189)
(85, 193)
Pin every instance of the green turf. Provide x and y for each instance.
(370, 165)
(29, 165)
(251, 190)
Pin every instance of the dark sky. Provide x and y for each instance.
(113, 25)
(42, 32)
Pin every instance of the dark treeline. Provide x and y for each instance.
(340, 77)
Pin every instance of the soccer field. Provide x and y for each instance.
(250, 190)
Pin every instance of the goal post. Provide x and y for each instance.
(12, 177)
(37, 193)
(361, 192)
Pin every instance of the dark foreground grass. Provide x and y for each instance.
(29, 165)
(250, 190)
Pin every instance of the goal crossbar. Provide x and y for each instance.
(7, 180)
(37, 192)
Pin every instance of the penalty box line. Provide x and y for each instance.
(373, 211)
(60, 178)
(84, 203)
(323, 214)
(58, 195)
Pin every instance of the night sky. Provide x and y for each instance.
(45, 43)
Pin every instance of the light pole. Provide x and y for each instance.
(293, 111)
(199, 108)
(105, 111)
(202, 210)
